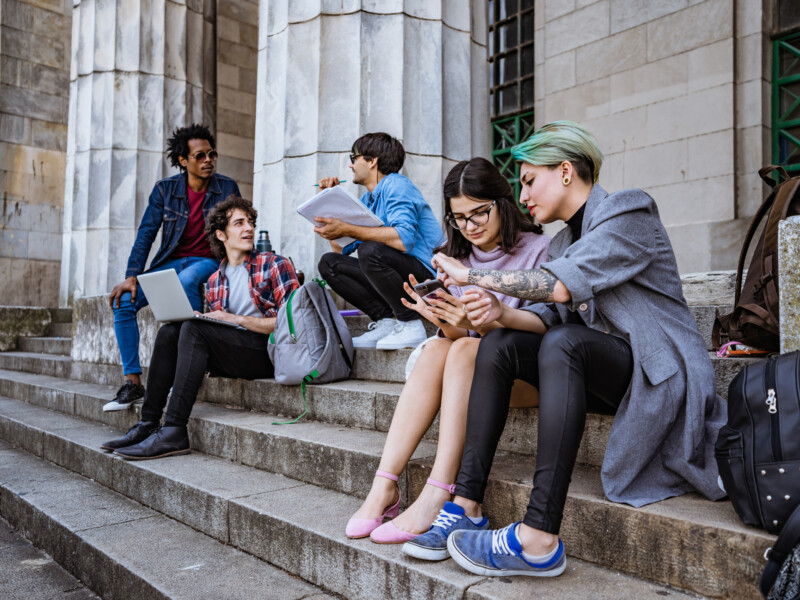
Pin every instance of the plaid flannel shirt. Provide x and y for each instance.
(272, 279)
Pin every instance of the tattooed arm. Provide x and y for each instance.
(537, 285)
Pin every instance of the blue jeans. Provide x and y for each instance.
(193, 272)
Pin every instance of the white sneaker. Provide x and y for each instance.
(377, 330)
(406, 334)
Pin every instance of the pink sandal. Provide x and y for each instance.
(389, 533)
(361, 528)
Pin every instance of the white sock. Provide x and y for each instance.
(476, 520)
(537, 559)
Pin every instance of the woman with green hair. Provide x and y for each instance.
(609, 331)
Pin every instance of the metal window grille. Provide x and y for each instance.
(511, 80)
(786, 102)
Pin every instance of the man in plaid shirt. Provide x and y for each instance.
(246, 291)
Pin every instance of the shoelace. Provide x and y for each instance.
(445, 520)
(500, 541)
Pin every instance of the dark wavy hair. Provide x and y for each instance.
(178, 144)
(388, 150)
(479, 179)
(219, 216)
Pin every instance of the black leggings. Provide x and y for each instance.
(373, 282)
(575, 368)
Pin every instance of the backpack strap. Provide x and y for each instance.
(777, 555)
(322, 283)
(769, 258)
(307, 379)
(764, 173)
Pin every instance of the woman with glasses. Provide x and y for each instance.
(487, 230)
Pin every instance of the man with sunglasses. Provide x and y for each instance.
(178, 207)
(387, 255)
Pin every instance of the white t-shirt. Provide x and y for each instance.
(240, 302)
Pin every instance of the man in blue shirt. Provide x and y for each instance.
(387, 255)
(178, 207)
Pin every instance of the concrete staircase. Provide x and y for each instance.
(262, 505)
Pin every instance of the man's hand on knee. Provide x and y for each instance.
(129, 285)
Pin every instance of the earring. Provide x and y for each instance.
(566, 180)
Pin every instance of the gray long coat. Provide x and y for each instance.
(624, 281)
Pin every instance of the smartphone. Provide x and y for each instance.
(430, 289)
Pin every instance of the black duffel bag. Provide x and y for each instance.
(758, 451)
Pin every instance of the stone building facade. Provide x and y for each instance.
(678, 93)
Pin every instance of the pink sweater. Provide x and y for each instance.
(530, 252)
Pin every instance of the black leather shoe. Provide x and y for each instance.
(139, 432)
(169, 440)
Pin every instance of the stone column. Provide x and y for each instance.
(329, 71)
(139, 69)
(789, 280)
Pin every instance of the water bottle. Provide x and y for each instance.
(263, 244)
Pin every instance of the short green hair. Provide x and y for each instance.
(556, 142)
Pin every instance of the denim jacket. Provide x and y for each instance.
(168, 207)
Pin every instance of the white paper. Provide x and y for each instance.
(337, 203)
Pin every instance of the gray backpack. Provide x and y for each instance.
(311, 342)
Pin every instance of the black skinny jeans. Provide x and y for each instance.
(184, 352)
(575, 368)
(373, 282)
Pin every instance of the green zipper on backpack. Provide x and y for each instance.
(288, 319)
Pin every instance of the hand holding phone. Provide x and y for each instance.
(430, 290)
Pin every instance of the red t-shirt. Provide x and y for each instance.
(193, 240)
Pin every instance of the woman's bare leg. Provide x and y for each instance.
(458, 371)
(416, 408)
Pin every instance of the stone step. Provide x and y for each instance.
(27, 572)
(121, 549)
(45, 345)
(60, 315)
(367, 405)
(62, 330)
(273, 518)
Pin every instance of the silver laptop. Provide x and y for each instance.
(167, 299)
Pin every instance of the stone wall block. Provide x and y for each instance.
(577, 28)
(789, 289)
(104, 35)
(620, 131)
(177, 105)
(711, 155)
(751, 99)
(268, 201)
(302, 85)
(752, 62)
(49, 135)
(149, 169)
(339, 72)
(44, 246)
(613, 171)
(701, 112)
(97, 244)
(749, 186)
(650, 83)
(696, 201)
(273, 17)
(304, 10)
(553, 9)
(14, 243)
(580, 103)
(83, 19)
(178, 43)
(296, 238)
(707, 22)
(128, 38)
(382, 73)
(48, 80)
(630, 13)
(122, 201)
(271, 100)
(152, 41)
(340, 7)
(151, 113)
(234, 145)
(102, 110)
(479, 101)
(125, 126)
(711, 65)
(422, 89)
(99, 189)
(657, 165)
(456, 96)
(479, 29)
(17, 15)
(28, 103)
(454, 15)
(78, 201)
(15, 129)
(750, 16)
(559, 72)
(382, 7)
(424, 9)
(614, 54)
(426, 173)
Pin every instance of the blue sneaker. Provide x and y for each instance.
(432, 545)
(499, 552)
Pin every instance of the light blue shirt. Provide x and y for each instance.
(399, 204)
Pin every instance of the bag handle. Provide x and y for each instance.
(777, 555)
(764, 173)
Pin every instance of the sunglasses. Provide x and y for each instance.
(201, 156)
(353, 157)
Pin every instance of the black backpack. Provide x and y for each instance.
(758, 451)
(755, 317)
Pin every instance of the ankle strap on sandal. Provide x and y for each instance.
(448, 488)
(386, 474)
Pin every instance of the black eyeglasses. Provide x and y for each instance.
(478, 218)
(353, 157)
(201, 156)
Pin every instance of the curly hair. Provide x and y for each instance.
(219, 216)
(178, 144)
